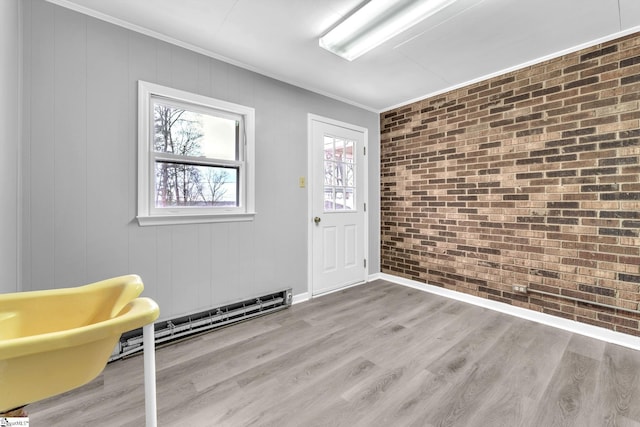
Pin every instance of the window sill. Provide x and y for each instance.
(193, 219)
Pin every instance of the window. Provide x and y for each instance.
(339, 174)
(195, 158)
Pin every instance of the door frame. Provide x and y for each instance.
(363, 188)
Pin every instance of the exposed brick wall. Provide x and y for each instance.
(531, 178)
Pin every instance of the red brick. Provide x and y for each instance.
(461, 172)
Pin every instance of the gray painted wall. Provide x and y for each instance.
(9, 144)
(80, 168)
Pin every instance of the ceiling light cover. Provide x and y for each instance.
(375, 23)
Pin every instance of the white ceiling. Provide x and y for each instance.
(279, 38)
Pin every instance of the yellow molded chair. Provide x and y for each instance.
(56, 340)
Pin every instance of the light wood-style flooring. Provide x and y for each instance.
(379, 354)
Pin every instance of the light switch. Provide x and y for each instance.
(301, 182)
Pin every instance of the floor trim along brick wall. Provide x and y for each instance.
(596, 332)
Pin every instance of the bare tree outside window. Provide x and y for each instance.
(180, 132)
(215, 182)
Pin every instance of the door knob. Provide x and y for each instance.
(317, 220)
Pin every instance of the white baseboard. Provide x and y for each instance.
(307, 295)
(596, 332)
(300, 298)
(374, 276)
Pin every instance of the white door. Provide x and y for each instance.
(338, 204)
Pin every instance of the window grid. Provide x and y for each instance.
(339, 174)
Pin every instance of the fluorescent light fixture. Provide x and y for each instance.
(375, 23)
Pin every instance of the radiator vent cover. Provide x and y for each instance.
(181, 327)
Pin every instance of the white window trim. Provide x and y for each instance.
(147, 214)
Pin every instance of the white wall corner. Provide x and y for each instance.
(374, 276)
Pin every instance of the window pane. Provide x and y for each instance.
(191, 133)
(339, 171)
(349, 175)
(348, 151)
(339, 199)
(328, 148)
(349, 198)
(329, 201)
(180, 185)
(339, 149)
(339, 174)
(329, 176)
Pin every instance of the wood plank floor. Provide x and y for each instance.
(375, 355)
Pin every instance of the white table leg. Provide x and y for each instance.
(148, 340)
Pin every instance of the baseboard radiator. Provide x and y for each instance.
(181, 327)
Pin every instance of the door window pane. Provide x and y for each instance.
(329, 200)
(349, 176)
(349, 198)
(339, 174)
(348, 151)
(339, 205)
